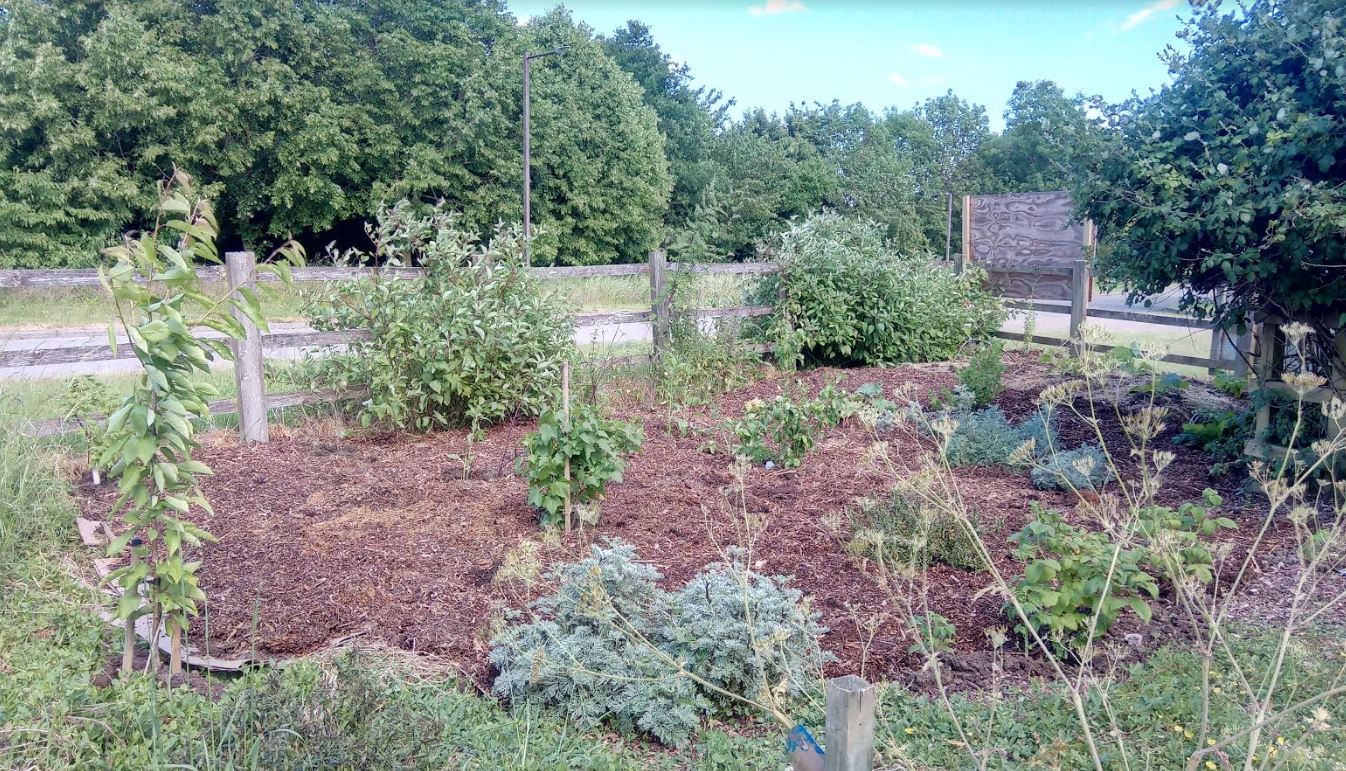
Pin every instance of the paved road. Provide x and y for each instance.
(1052, 324)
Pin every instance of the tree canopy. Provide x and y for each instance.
(1231, 181)
(304, 115)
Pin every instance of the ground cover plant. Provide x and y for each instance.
(780, 430)
(609, 644)
(475, 341)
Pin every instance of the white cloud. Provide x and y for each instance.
(523, 20)
(897, 80)
(928, 51)
(773, 7)
(1145, 14)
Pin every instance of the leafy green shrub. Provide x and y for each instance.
(474, 341)
(1083, 468)
(983, 373)
(849, 299)
(746, 633)
(595, 447)
(987, 438)
(933, 632)
(782, 429)
(1070, 577)
(609, 644)
(1173, 538)
(903, 532)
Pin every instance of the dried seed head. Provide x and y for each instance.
(1296, 332)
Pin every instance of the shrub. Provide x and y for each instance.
(849, 299)
(1173, 538)
(987, 438)
(475, 341)
(582, 653)
(1070, 577)
(608, 643)
(698, 367)
(1083, 468)
(595, 447)
(747, 633)
(782, 429)
(933, 632)
(983, 373)
(903, 532)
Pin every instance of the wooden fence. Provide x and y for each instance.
(1222, 354)
(253, 403)
(239, 270)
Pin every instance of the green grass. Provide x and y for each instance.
(86, 306)
(630, 293)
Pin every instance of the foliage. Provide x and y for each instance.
(697, 367)
(595, 447)
(1228, 181)
(306, 115)
(987, 438)
(148, 449)
(983, 372)
(747, 634)
(475, 341)
(782, 429)
(1222, 434)
(688, 115)
(903, 532)
(1173, 538)
(1083, 468)
(609, 644)
(933, 632)
(850, 298)
(1075, 582)
(84, 403)
(1040, 120)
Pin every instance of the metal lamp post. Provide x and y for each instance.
(527, 148)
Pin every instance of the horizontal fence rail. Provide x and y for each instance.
(275, 341)
(88, 277)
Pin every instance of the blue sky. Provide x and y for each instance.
(768, 53)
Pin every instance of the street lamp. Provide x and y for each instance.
(527, 149)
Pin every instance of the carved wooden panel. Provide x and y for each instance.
(1011, 233)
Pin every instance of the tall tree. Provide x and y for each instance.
(942, 137)
(305, 114)
(1040, 123)
(689, 116)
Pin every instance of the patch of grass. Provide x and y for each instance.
(632, 293)
(85, 306)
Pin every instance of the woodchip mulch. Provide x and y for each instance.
(324, 536)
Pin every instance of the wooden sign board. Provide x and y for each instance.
(1010, 234)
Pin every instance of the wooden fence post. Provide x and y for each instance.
(659, 300)
(850, 724)
(965, 254)
(1079, 302)
(241, 268)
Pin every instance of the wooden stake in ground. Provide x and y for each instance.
(175, 654)
(565, 432)
(129, 629)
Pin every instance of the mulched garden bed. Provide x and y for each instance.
(323, 537)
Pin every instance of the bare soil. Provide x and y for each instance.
(324, 536)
